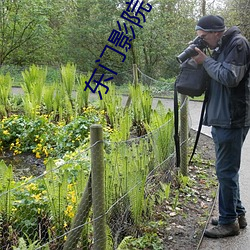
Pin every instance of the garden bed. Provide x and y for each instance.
(178, 222)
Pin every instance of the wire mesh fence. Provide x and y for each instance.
(55, 210)
(46, 210)
(161, 87)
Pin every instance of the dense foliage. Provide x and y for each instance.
(52, 122)
(57, 32)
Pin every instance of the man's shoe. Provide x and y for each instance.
(241, 219)
(221, 231)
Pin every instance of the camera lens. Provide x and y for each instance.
(187, 53)
(190, 51)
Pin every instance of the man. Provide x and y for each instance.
(228, 112)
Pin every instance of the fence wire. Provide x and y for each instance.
(44, 210)
(158, 87)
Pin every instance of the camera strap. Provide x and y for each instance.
(199, 127)
(176, 127)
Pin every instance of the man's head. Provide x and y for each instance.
(211, 28)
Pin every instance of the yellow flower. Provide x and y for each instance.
(6, 132)
(45, 151)
(73, 199)
(12, 145)
(16, 152)
(31, 187)
(38, 156)
(26, 178)
(14, 209)
(69, 211)
(37, 196)
(103, 112)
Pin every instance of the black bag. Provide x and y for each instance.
(192, 80)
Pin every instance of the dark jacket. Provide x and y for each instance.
(228, 103)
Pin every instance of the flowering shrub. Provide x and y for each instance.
(35, 204)
(30, 204)
(43, 137)
(33, 209)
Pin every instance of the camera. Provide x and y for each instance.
(190, 51)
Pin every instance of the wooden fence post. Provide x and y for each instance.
(98, 195)
(135, 74)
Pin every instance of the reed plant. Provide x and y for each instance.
(34, 80)
(122, 131)
(64, 183)
(136, 178)
(161, 130)
(141, 106)
(5, 90)
(126, 172)
(48, 98)
(146, 101)
(6, 184)
(56, 187)
(7, 232)
(56, 184)
(62, 106)
(135, 93)
(112, 105)
(82, 95)
(68, 74)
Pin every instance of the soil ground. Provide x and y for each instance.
(187, 223)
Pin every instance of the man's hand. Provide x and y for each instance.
(200, 58)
